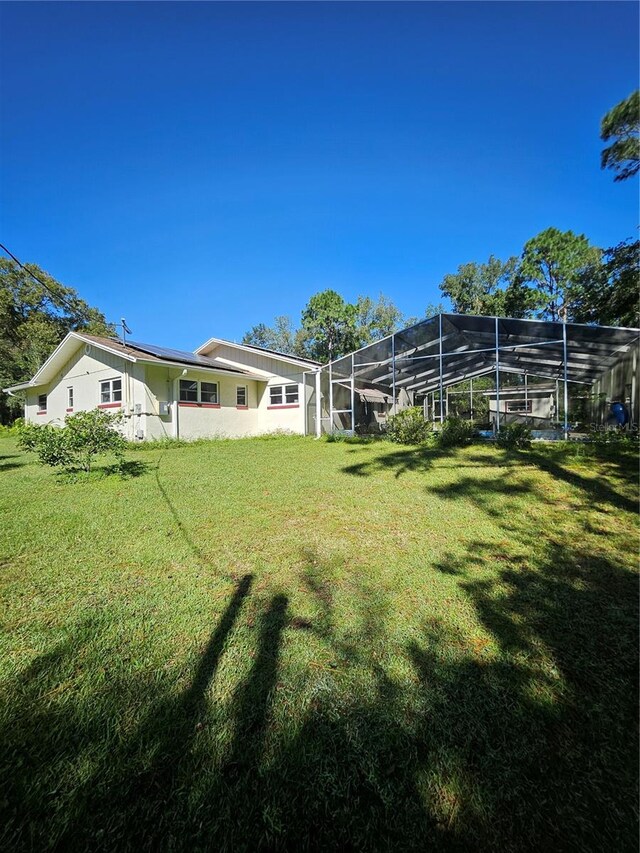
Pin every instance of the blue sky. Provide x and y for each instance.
(200, 168)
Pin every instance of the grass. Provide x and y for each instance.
(291, 645)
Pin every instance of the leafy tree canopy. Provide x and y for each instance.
(33, 321)
(375, 320)
(610, 297)
(622, 125)
(557, 264)
(280, 337)
(330, 324)
(492, 288)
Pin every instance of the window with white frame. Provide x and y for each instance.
(111, 391)
(209, 392)
(281, 395)
(241, 395)
(192, 391)
(42, 402)
(70, 397)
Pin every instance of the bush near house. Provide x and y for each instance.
(408, 426)
(514, 436)
(456, 432)
(75, 446)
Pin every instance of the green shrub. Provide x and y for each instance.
(512, 436)
(604, 437)
(455, 432)
(408, 426)
(74, 446)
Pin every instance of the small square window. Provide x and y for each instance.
(275, 393)
(116, 390)
(188, 391)
(241, 395)
(70, 398)
(42, 402)
(105, 392)
(209, 392)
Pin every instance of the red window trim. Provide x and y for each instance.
(109, 405)
(42, 412)
(69, 410)
(242, 407)
(199, 405)
(285, 406)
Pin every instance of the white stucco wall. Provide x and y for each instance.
(83, 372)
(290, 418)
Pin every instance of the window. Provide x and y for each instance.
(192, 391)
(514, 406)
(42, 402)
(241, 395)
(208, 392)
(70, 398)
(283, 395)
(276, 395)
(110, 391)
(291, 393)
(188, 391)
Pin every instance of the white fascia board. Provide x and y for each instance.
(21, 387)
(254, 351)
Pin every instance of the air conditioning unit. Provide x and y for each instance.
(163, 409)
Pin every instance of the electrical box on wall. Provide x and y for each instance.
(163, 408)
(139, 434)
(138, 408)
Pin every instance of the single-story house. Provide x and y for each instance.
(221, 389)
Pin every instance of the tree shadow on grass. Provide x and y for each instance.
(516, 732)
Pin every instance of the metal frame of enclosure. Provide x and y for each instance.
(442, 351)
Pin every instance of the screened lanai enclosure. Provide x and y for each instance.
(556, 377)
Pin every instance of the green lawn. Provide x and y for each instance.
(290, 644)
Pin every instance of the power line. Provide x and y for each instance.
(57, 297)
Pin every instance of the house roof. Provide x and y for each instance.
(283, 356)
(130, 351)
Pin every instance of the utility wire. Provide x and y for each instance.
(55, 296)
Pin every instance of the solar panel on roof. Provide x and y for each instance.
(175, 355)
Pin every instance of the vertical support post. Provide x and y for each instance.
(393, 370)
(497, 376)
(433, 406)
(566, 387)
(440, 360)
(557, 404)
(318, 405)
(446, 402)
(471, 398)
(353, 395)
(526, 399)
(330, 399)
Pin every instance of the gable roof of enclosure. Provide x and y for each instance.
(466, 347)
